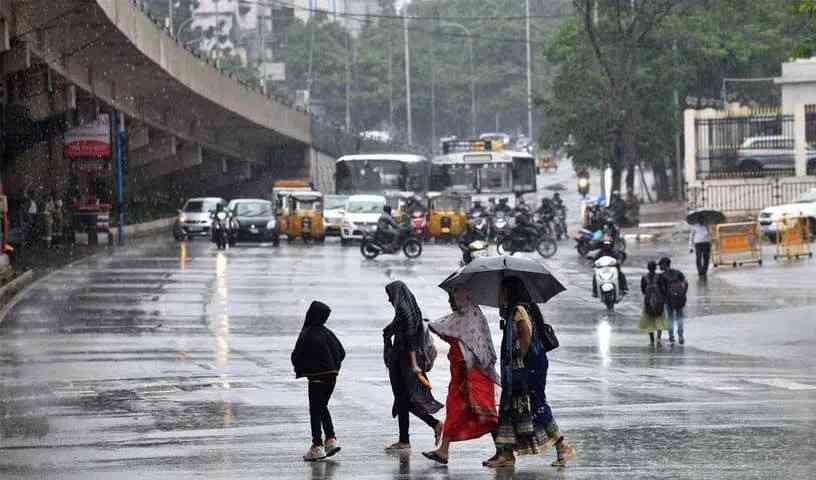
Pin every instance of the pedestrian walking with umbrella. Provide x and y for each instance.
(700, 237)
(526, 422)
(471, 404)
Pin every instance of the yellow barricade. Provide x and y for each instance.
(793, 238)
(736, 244)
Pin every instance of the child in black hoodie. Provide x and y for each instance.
(317, 356)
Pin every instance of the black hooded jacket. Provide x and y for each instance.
(317, 351)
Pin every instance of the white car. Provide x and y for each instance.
(195, 218)
(805, 206)
(361, 215)
(334, 210)
(770, 153)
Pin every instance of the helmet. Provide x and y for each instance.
(665, 262)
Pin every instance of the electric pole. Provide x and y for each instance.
(348, 69)
(529, 78)
(410, 131)
(433, 83)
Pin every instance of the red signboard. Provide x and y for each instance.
(89, 140)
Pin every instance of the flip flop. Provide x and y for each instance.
(435, 457)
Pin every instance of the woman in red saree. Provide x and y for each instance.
(471, 404)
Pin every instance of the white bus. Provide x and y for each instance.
(392, 175)
(483, 170)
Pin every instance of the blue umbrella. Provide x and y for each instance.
(483, 277)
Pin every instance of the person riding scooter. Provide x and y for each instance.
(387, 228)
(414, 204)
(503, 207)
(477, 208)
(546, 210)
(608, 250)
(469, 236)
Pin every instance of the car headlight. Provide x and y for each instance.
(348, 226)
(272, 224)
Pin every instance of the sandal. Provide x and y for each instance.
(398, 447)
(501, 462)
(565, 454)
(435, 457)
(438, 433)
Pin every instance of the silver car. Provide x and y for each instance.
(770, 152)
(195, 217)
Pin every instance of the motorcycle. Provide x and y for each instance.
(501, 225)
(607, 282)
(372, 246)
(473, 250)
(520, 241)
(222, 230)
(480, 225)
(587, 241)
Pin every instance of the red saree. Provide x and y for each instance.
(471, 404)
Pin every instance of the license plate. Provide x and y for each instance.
(253, 230)
(608, 287)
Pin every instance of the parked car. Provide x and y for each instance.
(254, 220)
(805, 206)
(773, 152)
(333, 211)
(195, 218)
(361, 215)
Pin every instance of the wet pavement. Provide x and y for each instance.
(168, 360)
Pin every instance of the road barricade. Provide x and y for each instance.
(736, 244)
(793, 238)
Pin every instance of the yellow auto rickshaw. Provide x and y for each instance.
(547, 164)
(305, 217)
(447, 216)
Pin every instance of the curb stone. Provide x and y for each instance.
(11, 293)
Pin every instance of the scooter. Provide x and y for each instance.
(583, 186)
(473, 250)
(372, 246)
(607, 282)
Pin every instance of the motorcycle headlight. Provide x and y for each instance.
(501, 223)
(182, 218)
(221, 216)
(272, 224)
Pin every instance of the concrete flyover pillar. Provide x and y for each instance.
(800, 139)
(690, 135)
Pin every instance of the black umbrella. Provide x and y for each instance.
(483, 277)
(705, 217)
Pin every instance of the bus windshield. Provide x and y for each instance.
(376, 176)
(495, 178)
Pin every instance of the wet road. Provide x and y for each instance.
(172, 360)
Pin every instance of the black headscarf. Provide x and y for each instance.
(317, 351)
(407, 323)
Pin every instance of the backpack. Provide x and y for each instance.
(676, 291)
(653, 302)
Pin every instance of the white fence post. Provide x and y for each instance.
(800, 140)
(690, 132)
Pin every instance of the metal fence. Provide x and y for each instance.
(810, 124)
(754, 146)
(747, 197)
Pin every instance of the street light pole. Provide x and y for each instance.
(473, 106)
(529, 78)
(410, 127)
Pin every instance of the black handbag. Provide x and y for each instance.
(549, 341)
